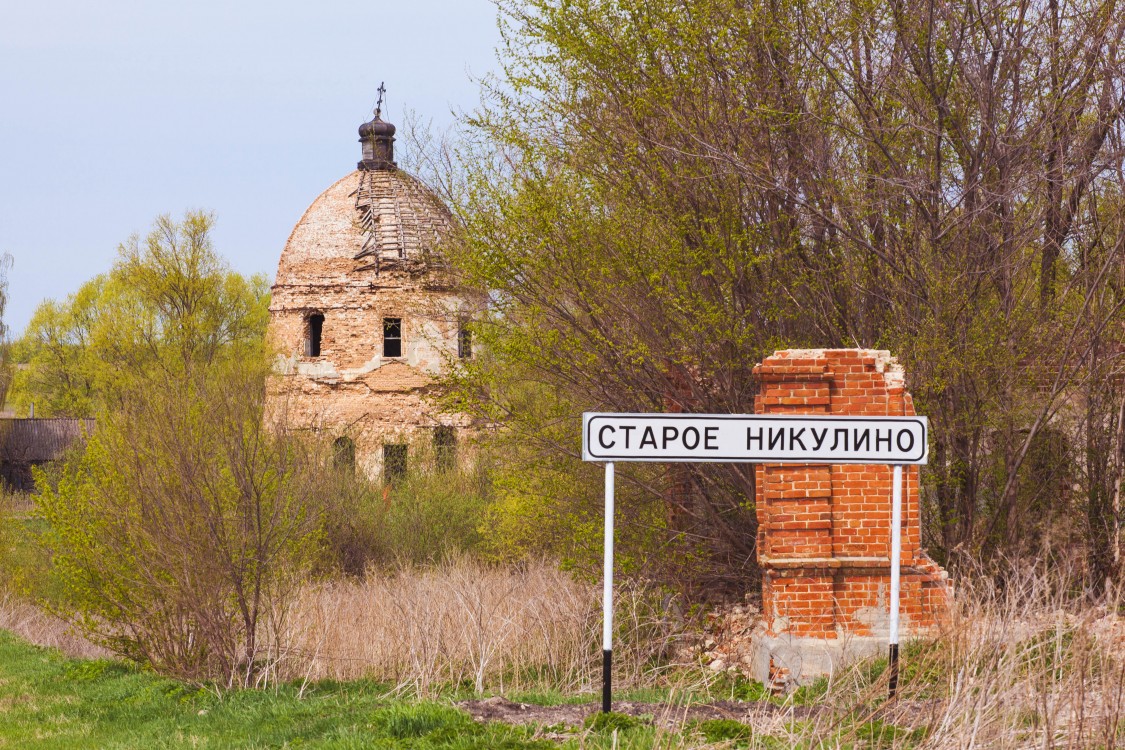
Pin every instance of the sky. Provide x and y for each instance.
(115, 112)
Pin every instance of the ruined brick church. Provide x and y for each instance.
(364, 315)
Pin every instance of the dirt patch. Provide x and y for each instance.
(756, 714)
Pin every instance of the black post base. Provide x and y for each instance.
(892, 659)
(607, 681)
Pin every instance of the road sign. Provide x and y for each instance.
(754, 438)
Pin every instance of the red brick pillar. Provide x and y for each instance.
(824, 531)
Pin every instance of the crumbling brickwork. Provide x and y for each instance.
(824, 531)
(365, 252)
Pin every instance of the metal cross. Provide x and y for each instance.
(379, 104)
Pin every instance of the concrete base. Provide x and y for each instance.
(800, 661)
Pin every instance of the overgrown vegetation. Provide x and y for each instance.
(654, 196)
(1025, 663)
(170, 308)
(180, 532)
(658, 194)
(185, 527)
(432, 513)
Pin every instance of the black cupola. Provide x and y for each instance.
(378, 139)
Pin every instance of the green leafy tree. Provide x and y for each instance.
(180, 535)
(168, 306)
(181, 532)
(657, 194)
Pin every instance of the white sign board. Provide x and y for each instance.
(806, 439)
(752, 438)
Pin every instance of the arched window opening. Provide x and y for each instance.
(343, 454)
(392, 337)
(445, 447)
(314, 326)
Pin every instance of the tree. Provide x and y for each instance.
(5, 363)
(657, 194)
(181, 532)
(168, 305)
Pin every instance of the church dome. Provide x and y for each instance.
(376, 220)
(364, 314)
(371, 222)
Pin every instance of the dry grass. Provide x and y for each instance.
(36, 626)
(1023, 662)
(466, 623)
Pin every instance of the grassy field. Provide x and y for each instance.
(51, 701)
(408, 657)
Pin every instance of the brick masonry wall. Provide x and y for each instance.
(350, 389)
(824, 531)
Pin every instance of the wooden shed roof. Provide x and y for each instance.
(38, 440)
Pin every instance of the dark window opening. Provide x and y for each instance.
(445, 447)
(464, 342)
(343, 454)
(392, 337)
(394, 462)
(314, 326)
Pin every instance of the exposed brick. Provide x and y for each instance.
(839, 515)
(351, 389)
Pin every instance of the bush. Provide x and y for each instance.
(430, 514)
(7, 539)
(180, 534)
(23, 562)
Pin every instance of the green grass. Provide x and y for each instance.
(49, 701)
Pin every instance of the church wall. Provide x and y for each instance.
(365, 250)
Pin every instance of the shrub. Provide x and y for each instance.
(432, 513)
(180, 534)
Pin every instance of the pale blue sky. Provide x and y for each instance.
(117, 111)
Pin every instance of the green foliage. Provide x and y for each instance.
(8, 540)
(728, 730)
(184, 526)
(546, 503)
(52, 702)
(611, 721)
(179, 533)
(431, 513)
(24, 563)
(658, 194)
(169, 304)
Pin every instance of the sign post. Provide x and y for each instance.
(752, 438)
(896, 564)
(607, 595)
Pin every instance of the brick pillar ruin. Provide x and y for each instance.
(824, 531)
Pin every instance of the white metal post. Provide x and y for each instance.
(607, 595)
(896, 562)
